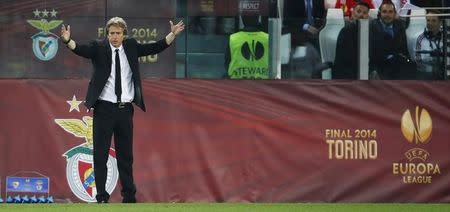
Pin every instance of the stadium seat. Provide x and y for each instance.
(415, 28)
(373, 13)
(285, 48)
(328, 38)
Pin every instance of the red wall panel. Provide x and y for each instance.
(251, 141)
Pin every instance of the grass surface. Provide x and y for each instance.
(199, 207)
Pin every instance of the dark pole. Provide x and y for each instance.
(106, 17)
(186, 32)
(445, 42)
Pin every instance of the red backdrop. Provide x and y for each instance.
(256, 141)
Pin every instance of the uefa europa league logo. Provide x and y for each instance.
(417, 127)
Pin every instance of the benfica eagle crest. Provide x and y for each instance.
(45, 43)
(80, 163)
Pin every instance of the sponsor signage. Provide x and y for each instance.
(27, 184)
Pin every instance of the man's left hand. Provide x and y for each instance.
(176, 29)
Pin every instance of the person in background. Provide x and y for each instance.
(247, 53)
(397, 3)
(348, 5)
(303, 19)
(429, 49)
(388, 52)
(114, 85)
(346, 61)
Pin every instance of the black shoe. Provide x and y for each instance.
(102, 198)
(129, 200)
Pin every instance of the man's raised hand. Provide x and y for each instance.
(65, 33)
(176, 29)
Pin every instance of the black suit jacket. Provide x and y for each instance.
(346, 61)
(381, 44)
(296, 9)
(294, 16)
(388, 55)
(295, 12)
(100, 54)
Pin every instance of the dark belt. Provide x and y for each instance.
(118, 104)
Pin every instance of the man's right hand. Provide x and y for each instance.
(65, 33)
(313, 30)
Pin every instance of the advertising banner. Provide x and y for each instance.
(27, 184)
(242, 141)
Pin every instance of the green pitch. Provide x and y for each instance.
(233, 207)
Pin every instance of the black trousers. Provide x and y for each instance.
(111, 119)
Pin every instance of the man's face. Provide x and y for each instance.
(115, 35)
(387, 13)
(360, 12)
(433, 24)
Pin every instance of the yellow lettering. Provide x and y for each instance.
(416, 179)
(373, 149)
(395, 168)
(352, 149)
(100, 32)
(348, 149)
(339, 149)
(330, 148)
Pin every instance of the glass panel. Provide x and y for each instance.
(302, 23)
(296, 47)
(30, 46)
(408, 44)
(426, 44)
(211, 23)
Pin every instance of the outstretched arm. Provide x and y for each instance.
(159, 46)
(86, 51)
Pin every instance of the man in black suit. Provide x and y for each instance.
(114, 85)
(388, 51)
(346, 60)
(296, 20)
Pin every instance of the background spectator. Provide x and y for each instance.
(348, 5)
(303, 19)
(388, 53)
(429, 48)
(346, 60)
(247, 55)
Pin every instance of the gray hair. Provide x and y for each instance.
(118, 22)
